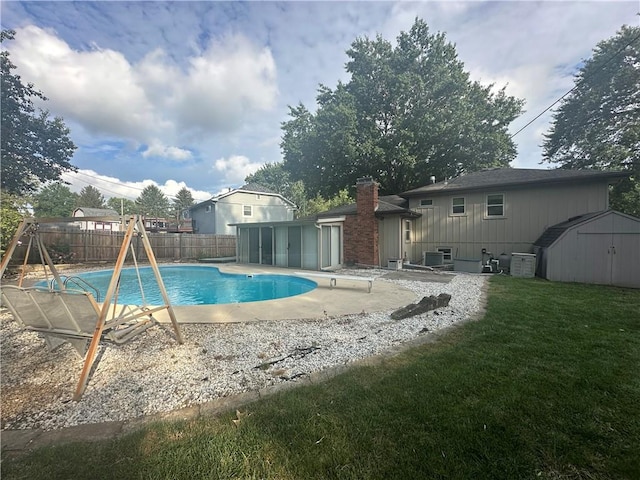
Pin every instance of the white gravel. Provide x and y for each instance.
(153, 374)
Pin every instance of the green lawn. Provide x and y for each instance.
(547, 385)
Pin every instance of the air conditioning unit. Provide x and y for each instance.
(433, 258)
(394, 264)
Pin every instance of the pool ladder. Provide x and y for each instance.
(81, 283)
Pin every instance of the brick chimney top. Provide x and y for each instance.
(364, 180)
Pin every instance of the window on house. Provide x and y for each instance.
(457, 205)
(447, 253)
(247, 210)
(495, 205)
(207, 209)
(407, 230)
(426, 202)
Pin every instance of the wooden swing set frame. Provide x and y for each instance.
(51, 311)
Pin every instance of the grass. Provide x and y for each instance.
(547, 386)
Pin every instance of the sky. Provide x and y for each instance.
(193, 94)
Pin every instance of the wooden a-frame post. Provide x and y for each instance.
(135, 224)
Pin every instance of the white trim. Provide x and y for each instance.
(244, 211)
(464, 207)
(503, 205)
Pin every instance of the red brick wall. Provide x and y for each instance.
(360, 231)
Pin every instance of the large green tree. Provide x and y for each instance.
(598, 124)
(54, 200)
(407, 112)
(152, 203)
(273, 176)
(34, 147)
(183, 200)
(90, 197)
(12, 210)
(122, 205)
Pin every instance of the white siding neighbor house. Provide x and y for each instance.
(248, 204)
(110, 223)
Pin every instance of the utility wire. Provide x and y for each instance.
(576, 86)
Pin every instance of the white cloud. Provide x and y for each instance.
(235, 168)
(114, 187)
(173, 153)
(105, 93)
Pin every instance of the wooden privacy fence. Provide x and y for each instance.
(73, 245)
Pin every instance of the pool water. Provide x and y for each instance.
(196, 285)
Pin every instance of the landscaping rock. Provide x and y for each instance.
(424, 305)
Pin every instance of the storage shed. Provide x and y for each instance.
(601, 248)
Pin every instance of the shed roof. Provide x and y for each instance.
(551, 234)
(503, 177)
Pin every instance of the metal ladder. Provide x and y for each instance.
(79, 282)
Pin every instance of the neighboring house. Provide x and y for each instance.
(101, 219)
(498, 211)
(250, 203)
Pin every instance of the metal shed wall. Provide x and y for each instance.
(604, 249)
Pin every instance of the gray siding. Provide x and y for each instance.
(205, 222)
(603, 250)
(230, 209)
(527, 213)
(265, 208)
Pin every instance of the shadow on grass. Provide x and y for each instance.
(545, 386)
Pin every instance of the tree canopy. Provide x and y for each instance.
(34, 147)
(54, 200)
(407, 112)
(183, 200)
(598, 124)
(12, 210)
(90, 197)
(122, 205)
(153, 203)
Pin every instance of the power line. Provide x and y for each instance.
(120, 184)
(576, 85)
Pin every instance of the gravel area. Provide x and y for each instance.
(153, 374)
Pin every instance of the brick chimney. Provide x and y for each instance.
(361, 230)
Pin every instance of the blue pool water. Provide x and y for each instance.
(196, 285)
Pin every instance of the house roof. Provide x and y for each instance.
(247, 188)
(551, 234)
(509, 177)
(387, 205)
(96, 212)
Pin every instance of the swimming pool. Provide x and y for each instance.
(196, 285)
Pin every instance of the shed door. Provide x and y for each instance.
(609, 256)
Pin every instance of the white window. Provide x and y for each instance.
(207, 209)
(426, 202)
(495, 205)
(407, 231)
(447, 253)
(247, 210)
(457, 206)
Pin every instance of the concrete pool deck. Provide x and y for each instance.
(348, 297)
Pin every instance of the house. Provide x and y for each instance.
(501, 210)
(100, 219)
(498, 211)
(598, 247)
(249, 203)
(355, 233)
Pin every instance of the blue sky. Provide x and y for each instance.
(193, 93)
